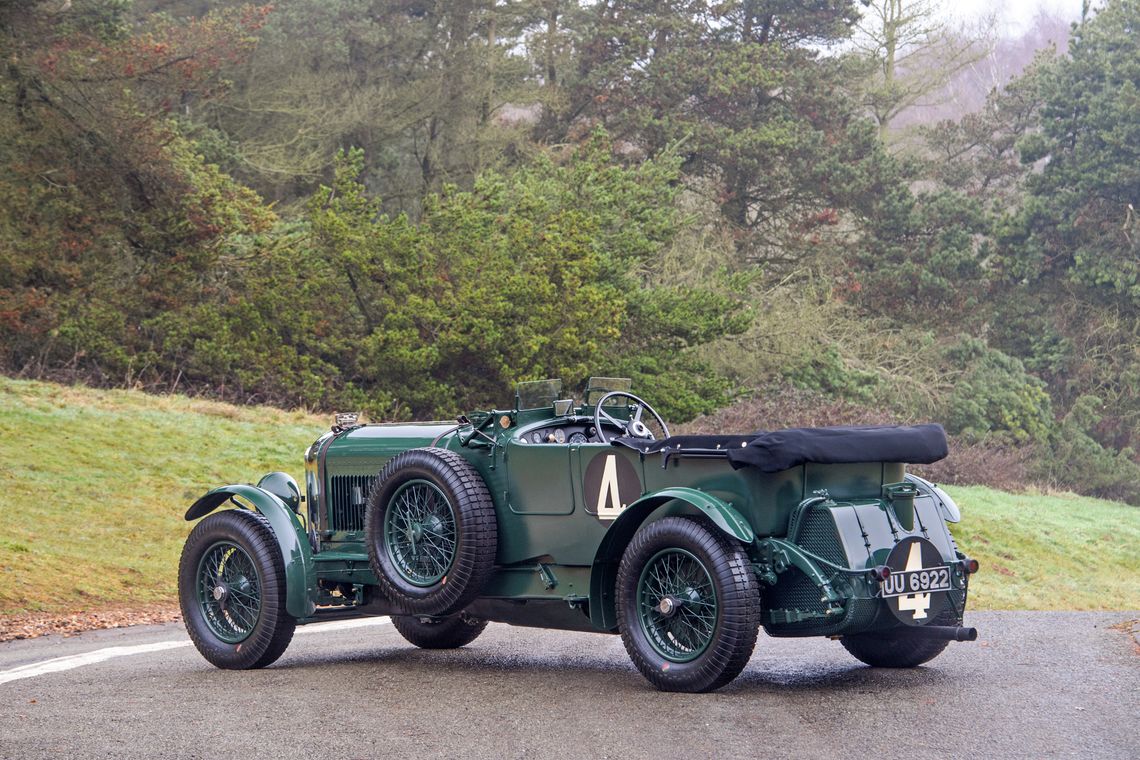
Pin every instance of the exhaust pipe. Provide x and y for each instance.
(944, 632)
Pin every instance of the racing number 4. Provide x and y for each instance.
(918, 603)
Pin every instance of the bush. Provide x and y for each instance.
(828, 373)
(1077, 462)
(993, 396)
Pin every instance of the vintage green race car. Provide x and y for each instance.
(588, 517)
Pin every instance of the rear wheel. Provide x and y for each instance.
(688, 605)
(883, 650)
(439, 633)
(431, 532)
(231, 587)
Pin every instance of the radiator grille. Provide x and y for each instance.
(347, 499)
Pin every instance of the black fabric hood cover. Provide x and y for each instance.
(783, 449)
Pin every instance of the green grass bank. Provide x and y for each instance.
(95, 484)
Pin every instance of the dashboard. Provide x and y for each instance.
(574, 433)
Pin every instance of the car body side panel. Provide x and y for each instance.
(539, 479)
(767, 499)
(555, 519)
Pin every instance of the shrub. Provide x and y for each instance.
(993, 395)
(1077, 462)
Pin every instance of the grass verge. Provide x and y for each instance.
(95, 484)
(1049, 551)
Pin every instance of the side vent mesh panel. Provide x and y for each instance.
(348, 496)
(817, 535)
(795, 591)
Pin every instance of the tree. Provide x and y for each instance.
(914, 54)
(531, 275)
(978, 154)
(1070, 255)
(419, 86)
(762, 117)
(107, 212)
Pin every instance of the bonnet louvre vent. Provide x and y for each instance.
(349, 495)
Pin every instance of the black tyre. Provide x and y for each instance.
(883, 650)
(231, 587)
(439, 633)
(688, 605)
(431, 531)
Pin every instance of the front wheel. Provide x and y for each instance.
(231, 587)
(439, 633)
(688, 605)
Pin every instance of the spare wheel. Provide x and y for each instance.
(431, 531)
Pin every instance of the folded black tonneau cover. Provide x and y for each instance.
(783, 449)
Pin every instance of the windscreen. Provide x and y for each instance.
(537, 393)
(600, 386)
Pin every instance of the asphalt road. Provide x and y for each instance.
(1035, 685)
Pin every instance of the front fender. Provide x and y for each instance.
(727, 520)
(300, 570)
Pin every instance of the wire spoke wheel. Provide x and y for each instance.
(419, 530)
(687, 603)
(677, 605)
(229, 592)
(431, 532)
(232, 590)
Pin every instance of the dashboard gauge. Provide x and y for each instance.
(559, 435)
(536, 437)
(578, 438)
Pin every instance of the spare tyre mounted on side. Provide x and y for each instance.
(431, 532)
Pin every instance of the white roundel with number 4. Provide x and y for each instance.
(919, 576)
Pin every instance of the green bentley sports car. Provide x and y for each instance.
(589, 517)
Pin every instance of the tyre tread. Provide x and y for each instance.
(477, 539)
(267, 642)
(881, 650)
(737, 588)
(449, 633)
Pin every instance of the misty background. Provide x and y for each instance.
(765, 212)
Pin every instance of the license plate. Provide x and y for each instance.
(917, 581)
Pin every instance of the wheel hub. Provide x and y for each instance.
(668, 606)
(220, 592)
(420, 533)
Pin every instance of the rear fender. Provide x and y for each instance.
(603, 609)
(300, 570)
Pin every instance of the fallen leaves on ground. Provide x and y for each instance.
(33, 624)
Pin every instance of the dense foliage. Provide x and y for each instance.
(405, 206)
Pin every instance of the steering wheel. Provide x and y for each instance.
(633, 427)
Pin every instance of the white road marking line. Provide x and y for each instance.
(343, 625)
(70, 662)
(88, 658)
